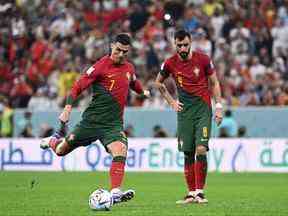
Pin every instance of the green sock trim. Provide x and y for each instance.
(201, 158)
(189, 157)
(119, 159)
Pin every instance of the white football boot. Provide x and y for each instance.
(200, 198)
(46, 142)
(120, 196)
(187, 199)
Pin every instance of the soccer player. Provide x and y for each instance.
(110, 79)
(195, 76)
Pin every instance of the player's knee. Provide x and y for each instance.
(60, 153)
(61, 149)
(201, 150)
(118, 149)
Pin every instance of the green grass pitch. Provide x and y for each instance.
(66, 193)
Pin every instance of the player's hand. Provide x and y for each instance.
(176, 105)
(65, 115)
(218, 114)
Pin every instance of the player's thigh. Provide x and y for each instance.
(186, 132)
(82, 136)
(114, 138)
(203, 130)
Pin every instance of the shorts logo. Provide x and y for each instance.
(71, 137)
(205, 132)
(180, 142)
(111, 75)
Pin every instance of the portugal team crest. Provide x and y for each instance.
(196, 71)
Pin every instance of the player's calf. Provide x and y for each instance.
(63, 148)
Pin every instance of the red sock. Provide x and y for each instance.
(117, 171)
(200, 171)
(189, 173)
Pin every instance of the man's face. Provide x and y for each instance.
(183, 47)
(119, 52)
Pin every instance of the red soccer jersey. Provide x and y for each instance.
(110, 83)
(191, 76)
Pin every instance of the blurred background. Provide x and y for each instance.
(46, 45)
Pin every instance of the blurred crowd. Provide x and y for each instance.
(45, 45)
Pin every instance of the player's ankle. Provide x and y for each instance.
(192, 193)
(198, 191)
(115, 190)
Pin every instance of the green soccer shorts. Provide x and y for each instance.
(194, 127)
(83, 136)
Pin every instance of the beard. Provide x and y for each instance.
(184, 55)
(118, 60)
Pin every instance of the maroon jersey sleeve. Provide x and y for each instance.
(165, 69)
(135, 84)
(83, 82)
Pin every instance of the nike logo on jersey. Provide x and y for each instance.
(111, 75)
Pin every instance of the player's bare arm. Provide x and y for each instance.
(65, 115)
(216, 92)
(159, 84)
(136, 86)
(78, 87)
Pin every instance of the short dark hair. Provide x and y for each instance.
(123, 38)
(228, 113)
(181, 34)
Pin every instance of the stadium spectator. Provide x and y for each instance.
(223, 133)
(159, 131)
(229, 126)
(200, 42)
(26, 125)
(129, 131)
(20, 93)
(1, 112)
(42, 100)
(241, 131)
(66, 80)
(247, 40)
(45, 130)
(7, 123)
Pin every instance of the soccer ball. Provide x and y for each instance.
(100, 199)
